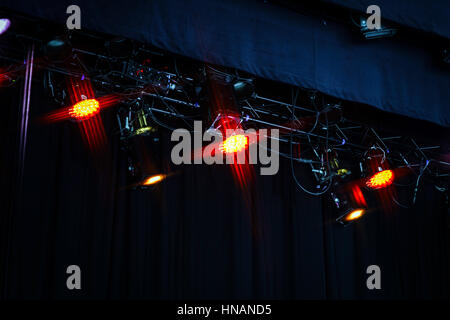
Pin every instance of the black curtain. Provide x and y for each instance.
(403, 75)
(197, 235)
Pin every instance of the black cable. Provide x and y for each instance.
(292, 163)
(399, 204)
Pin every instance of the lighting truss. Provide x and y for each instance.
(163, 96)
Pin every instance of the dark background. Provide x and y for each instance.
(194, 236)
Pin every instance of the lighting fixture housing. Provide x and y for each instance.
(383, 32)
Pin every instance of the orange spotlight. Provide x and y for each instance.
(85, 109)
(153, 179)
(381, 179)
(234, 144)
(355, 214)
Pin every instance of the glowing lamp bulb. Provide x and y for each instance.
(235, 143)
(84, 109)
(355, 214)
(153, 179)
(4, 25)
(381, 179)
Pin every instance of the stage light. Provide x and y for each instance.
(56, 48)
(234, 144)
(144, 131)
(336, 166)
(381, 179)
(230, 124)
(383, 32)
(351, 215)
(446, 55)
(141, 126)
(56, 42)
(85, 109)
(350, 202)
(137, 120)
(153, 179)
(375, 169)
(244, 89)
(4, 25)
(120, 47)
(354, 215)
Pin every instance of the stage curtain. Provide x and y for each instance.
(198, 235)
(403, 75)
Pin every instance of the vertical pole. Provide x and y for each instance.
(25, 110)
(23, 129)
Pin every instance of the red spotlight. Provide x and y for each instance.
(234, 144)
(85, 109)
(381, 179)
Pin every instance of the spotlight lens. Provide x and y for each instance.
(55, 43)
(144, 130)
(85, 109)
(355, 214)
(4, 25)
(381, 179)
(153, 179)
(235, 143)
